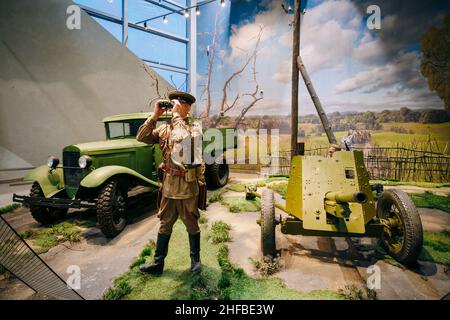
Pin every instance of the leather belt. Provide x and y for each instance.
(173, 171)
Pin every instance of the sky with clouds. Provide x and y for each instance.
(352, 68)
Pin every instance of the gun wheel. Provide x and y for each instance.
(268, 244)
(45, 215)
(111, 209)
(403, 235)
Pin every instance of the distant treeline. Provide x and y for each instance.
(368, 120)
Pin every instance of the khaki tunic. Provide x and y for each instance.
(179, 197)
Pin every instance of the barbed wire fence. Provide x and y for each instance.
(19, 259)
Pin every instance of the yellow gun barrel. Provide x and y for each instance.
(346, 197)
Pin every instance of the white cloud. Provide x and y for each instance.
(243, 38)
(327, 34)
(284, 72)
(370, 71)
(400, 74)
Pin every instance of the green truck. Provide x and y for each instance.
(98, 175)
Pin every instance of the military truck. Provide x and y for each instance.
(98, 175)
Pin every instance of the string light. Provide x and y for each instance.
(186, 12)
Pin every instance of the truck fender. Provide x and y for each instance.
(99, 176)
(51, 181)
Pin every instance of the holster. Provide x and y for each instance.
(161, 172)
(201, 196)
(158, 198)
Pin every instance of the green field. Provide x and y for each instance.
(421, 133)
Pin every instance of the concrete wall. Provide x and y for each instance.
(57, 84)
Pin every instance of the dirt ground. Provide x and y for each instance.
(310, 263)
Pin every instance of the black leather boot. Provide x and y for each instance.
(194, 244)
(157, 267)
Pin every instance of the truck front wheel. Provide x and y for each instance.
(111, 209)
(216, 175)
(44, 215)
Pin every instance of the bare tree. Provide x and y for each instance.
(225, 105)
(155, 84)
(211, 54)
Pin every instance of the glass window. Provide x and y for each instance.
(176, 79)
(114, 28)
(115, 129)
(139, 10)
(157, 49)
(113, 7)
(180, 2)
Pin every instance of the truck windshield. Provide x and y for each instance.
(126, 129)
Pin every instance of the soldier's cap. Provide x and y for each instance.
(180, 95)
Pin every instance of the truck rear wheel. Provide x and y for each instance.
(111, 209)
(45, 215)
(403, 235)
(216, 175)
(268, 244)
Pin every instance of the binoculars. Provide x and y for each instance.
(166, 104)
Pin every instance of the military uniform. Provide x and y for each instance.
(179, 188)
(179, 197)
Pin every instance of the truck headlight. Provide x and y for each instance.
(84, 162)
(52, 162)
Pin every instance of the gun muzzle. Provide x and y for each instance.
(346, 197)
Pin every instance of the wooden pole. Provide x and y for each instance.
(295, 76)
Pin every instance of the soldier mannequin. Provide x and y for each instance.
(179, 194)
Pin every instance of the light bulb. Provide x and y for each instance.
(186, 13)
(222, 3)
(197, 11)
(165, 19)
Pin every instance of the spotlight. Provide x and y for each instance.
(165, 19)
(186, 13)
(197, 11)
(222, 3)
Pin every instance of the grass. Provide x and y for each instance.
(220, 232)
(240, 204)
(236, 187)
(146, 252)
(267, 266)
(45, 238)
(352, 292)
(280, 188)
(9, 208)
(385, 137)
(411, 183)
(176, 282)
(203, 219)
(431, 200)
(121, 289)
(436, 247)
(217, 195)
(219, 278)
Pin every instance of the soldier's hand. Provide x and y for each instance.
(332, 149)
(158, 111)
